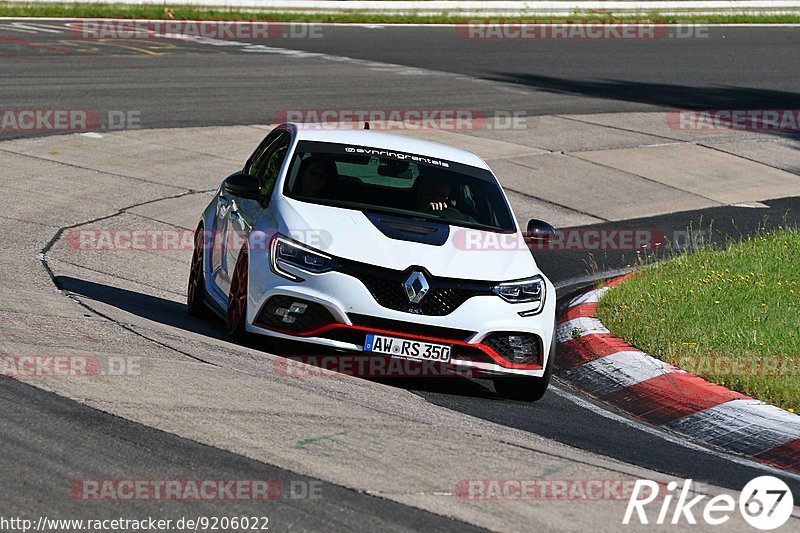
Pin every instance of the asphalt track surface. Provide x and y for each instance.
(47, 438)
(184, 83)
(196, 85)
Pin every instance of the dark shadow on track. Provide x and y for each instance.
(705, 226)
(665, 95)
(153, 308)
(660, 94)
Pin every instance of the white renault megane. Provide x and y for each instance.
(378, 243)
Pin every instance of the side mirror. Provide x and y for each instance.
(243, 185)
(539, 232)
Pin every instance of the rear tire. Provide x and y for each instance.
(196, 292)
(525, 388)
(236, 315)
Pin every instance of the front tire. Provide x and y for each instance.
(236, 315)
(196, 292)
(525, 388)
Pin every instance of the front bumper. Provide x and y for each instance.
(353, 313)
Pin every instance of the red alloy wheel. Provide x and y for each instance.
(237, 298)
(195, 294)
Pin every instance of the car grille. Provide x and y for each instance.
(410, 328)
(438, 302)
(386, 286)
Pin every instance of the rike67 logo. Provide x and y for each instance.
(765, 503)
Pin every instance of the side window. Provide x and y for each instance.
(267, 161)
(272, 166)
(257, 158)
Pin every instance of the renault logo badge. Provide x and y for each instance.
(416, 287)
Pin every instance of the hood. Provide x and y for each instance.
(349, 234)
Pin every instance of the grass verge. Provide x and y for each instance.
(106, 10)
(729, 314)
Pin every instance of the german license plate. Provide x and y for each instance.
(424, 351)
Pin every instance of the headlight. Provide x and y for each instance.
(284, 251)
(524, 291)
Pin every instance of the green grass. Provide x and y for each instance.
(729, 314)
(103, 10)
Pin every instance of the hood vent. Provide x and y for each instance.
(404, 229)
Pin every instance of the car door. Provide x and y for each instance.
(243, 213)
(218, 274)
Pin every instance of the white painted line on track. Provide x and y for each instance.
(36, 27)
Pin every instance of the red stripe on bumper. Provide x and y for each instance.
(489, 352)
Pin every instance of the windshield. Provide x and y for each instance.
(372, 179)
